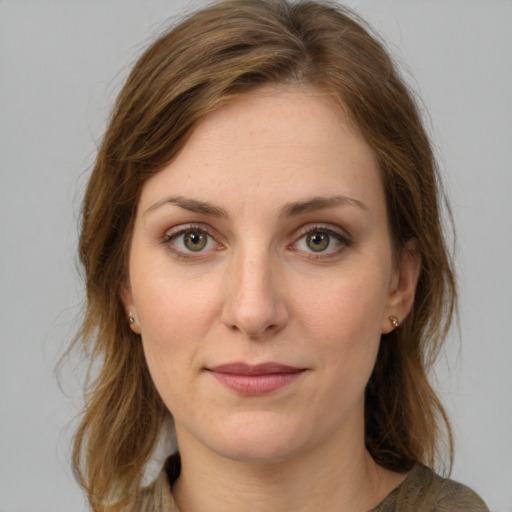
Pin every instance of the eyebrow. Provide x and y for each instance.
(289, 210)
(320, 203)
(192, 205)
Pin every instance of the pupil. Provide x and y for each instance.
(195, 241)
(318, 241)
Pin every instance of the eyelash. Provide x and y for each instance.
(310, 229)
(171, 236)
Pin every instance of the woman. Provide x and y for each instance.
(265, 265)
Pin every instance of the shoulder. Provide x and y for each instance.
(425, 491)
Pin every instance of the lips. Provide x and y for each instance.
(258, 379)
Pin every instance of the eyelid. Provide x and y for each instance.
(341, 235)
(332, 230)
(180, 229)
(323, 226)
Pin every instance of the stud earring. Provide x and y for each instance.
(130, 318)
(394, 321)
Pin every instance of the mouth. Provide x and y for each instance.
(258, 379)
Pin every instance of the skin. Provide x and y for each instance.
(273, 167)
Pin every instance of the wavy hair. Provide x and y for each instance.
(218, 53)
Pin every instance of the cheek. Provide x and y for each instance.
(172, 306)
(172, 321)
(175, 316)
(344, 323)
(349, 306)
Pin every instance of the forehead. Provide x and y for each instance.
(272, 142)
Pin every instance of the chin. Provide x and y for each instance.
(256, 438)
(255, 452)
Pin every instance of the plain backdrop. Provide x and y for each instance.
(61, 64)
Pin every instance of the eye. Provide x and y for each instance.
(318, 242)
(195, 240)
(185, 241)
(321, 241)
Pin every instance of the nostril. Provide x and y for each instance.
(255, 326)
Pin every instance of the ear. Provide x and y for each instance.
(403, 286)
(125, 294)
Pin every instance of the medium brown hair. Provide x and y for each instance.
(216, 54)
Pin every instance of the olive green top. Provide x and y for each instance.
(421, 491)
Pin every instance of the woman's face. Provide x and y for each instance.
(262, 277)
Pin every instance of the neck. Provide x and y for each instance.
(331, 477)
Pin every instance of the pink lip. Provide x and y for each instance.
(258, 379)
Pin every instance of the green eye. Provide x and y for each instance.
(321, 242)
(195, 240)
(317, 241)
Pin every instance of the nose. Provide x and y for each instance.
(255, 300)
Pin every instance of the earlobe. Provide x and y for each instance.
(125, 295)
(403, 287)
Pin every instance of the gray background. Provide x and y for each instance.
(61, 64)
